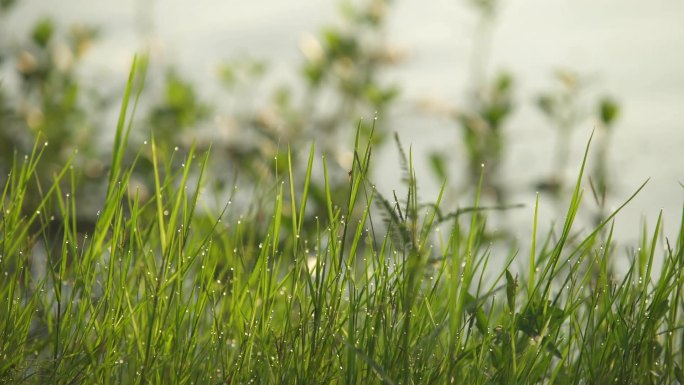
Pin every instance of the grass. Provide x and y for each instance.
(376, 291)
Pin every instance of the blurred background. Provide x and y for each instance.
(518, 86)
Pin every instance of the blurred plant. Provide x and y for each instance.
(482, 128)
(562, 107)
(342, 82)
(608, 111)
(343, 66)
(486, 7)
(566, 107)
(178, 111)
(250, 128)
(6, 4)
(488, 106)
(485, 13)
(50, 103)
(341, 78)
(5, 8)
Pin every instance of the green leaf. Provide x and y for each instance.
(42, 32)
(609, 111)
(474, 308)
(511, 289)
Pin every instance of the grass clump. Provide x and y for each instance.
(162, 290)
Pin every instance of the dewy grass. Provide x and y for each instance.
(164, 291)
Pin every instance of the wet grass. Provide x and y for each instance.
(164, 290)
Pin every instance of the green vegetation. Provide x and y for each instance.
(266, 254)
(166, 289)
